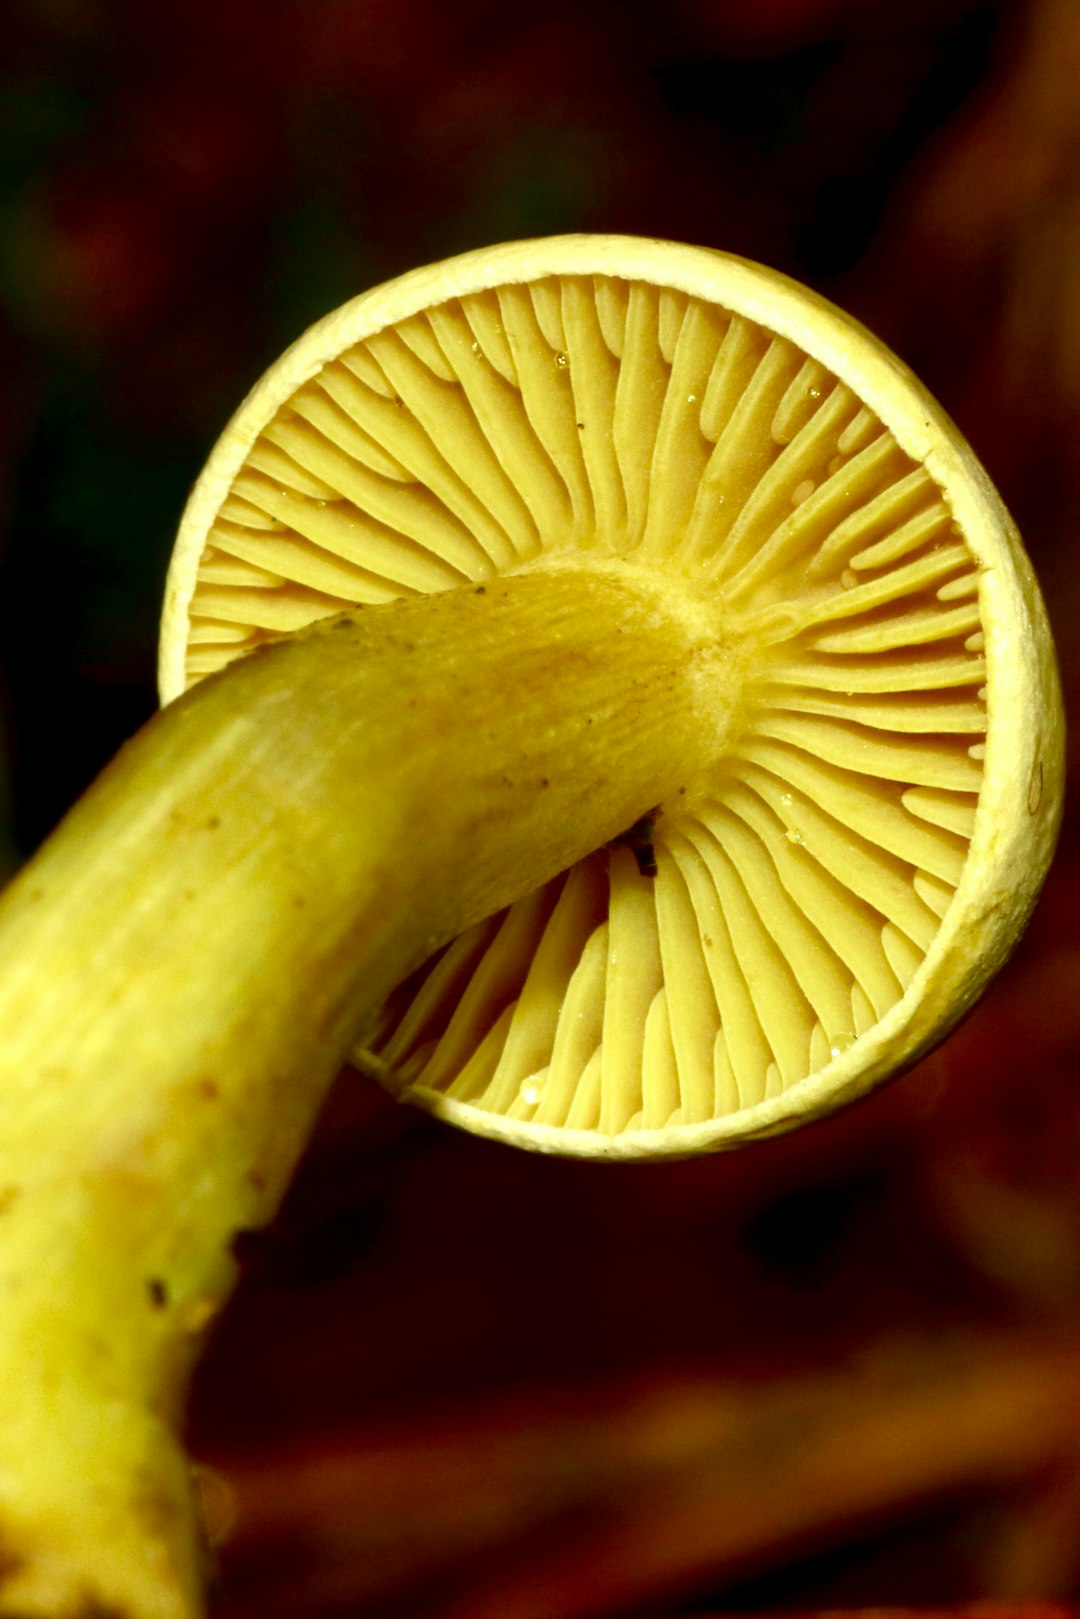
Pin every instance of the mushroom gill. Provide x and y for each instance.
(746, 934)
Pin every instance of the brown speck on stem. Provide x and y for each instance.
(10, 1565)
(97, 1610)
(639, 840)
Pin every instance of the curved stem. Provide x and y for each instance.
(186, 963)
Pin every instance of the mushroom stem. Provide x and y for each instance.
(187, 962)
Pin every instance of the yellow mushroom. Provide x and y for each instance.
(605, 405)
(631, 727)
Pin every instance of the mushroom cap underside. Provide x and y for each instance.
(827, 900)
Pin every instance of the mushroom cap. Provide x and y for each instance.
(820, 909)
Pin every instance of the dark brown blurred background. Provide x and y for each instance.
(840, 1370)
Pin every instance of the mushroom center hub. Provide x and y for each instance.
(695, 662)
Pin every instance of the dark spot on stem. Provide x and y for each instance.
(159, 1293)
(481, 590)
(646, 860)
(1035, 787)
(10, 1564)
(639, 840)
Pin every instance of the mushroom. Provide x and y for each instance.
(591, 404)
(620, 713)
